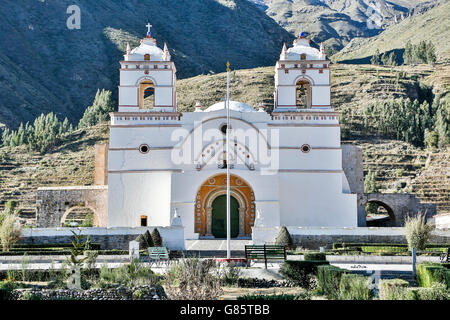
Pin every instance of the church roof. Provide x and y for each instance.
(147, 46)
(301, 46)
(234, 105)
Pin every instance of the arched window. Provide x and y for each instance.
(146, 95)
(146, 56)
(303, 94)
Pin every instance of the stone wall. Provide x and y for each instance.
(313, 238)
(352, 164)
(52, 203)
(109, 238)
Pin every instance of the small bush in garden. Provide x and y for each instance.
(328, 280)
(132, 274)
(301, 272)
(230, 274)
(31, 296)
(6, 288)
(354, 287)
(156, 237)
(149, 239)
(143, 244)
(314, 256)
(284, 238)
(141, 293)
(300, 296)
(393, 289)
(430, 273)
(417, 232)
(193, 279)
(10, 230)
(437, 291)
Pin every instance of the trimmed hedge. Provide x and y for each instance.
(338, 245)
(397, 289)
(314, 256)
(328, 280)
(393, 289)
(94, 246)
(300, 272)
(431, 273)
(354, 287)
(60, 253)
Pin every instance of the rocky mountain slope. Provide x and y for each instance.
(433, 25)
(336, 22)
(46, 67)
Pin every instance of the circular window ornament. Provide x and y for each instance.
(223, 128)
(305, 148)
(144, 148)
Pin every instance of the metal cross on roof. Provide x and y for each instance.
(148, 27)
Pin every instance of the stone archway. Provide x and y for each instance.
(214, 187)
(78, 215)
(383, 218)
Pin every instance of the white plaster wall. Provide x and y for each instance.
(163, 96)
(316, 159)
(128, 96)
(134, 194)
(320, 96)
(286, 96)
(311, 199)
(294, 136)
(311, 75)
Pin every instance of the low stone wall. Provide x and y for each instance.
(313, 238)
(109, 238)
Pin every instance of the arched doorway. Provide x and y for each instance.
(379, 214)
(81, 216)
(219, 217)
(243, 205)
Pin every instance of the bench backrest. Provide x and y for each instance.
(265, 251)
(158, 253)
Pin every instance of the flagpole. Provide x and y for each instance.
(228, 163)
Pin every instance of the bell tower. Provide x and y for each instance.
(147, 78)
(302, 78)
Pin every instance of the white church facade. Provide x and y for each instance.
(286, 165)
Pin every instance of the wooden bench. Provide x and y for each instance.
(445, 257)
(265, 252)
(158, 254)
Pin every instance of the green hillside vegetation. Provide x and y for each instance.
(45, 67)
(431, 26)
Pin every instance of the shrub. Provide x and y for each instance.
(192, 279)
(10, 230)
(431, 273)
(132, 274)
(31, 296)
(156, 238)
(354, 287)
(300, 296)
(328, 280)
(437, 291)
(6, 288)
(284, 238)
(145, 240)
(301, 272)
(393, 289)
(417, 232)
(99, 111)
(230, 274)
(314, 256)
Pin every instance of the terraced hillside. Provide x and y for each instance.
(71, 164)
(400, 167)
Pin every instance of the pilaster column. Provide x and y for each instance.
(242, 222)
(208, 221)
